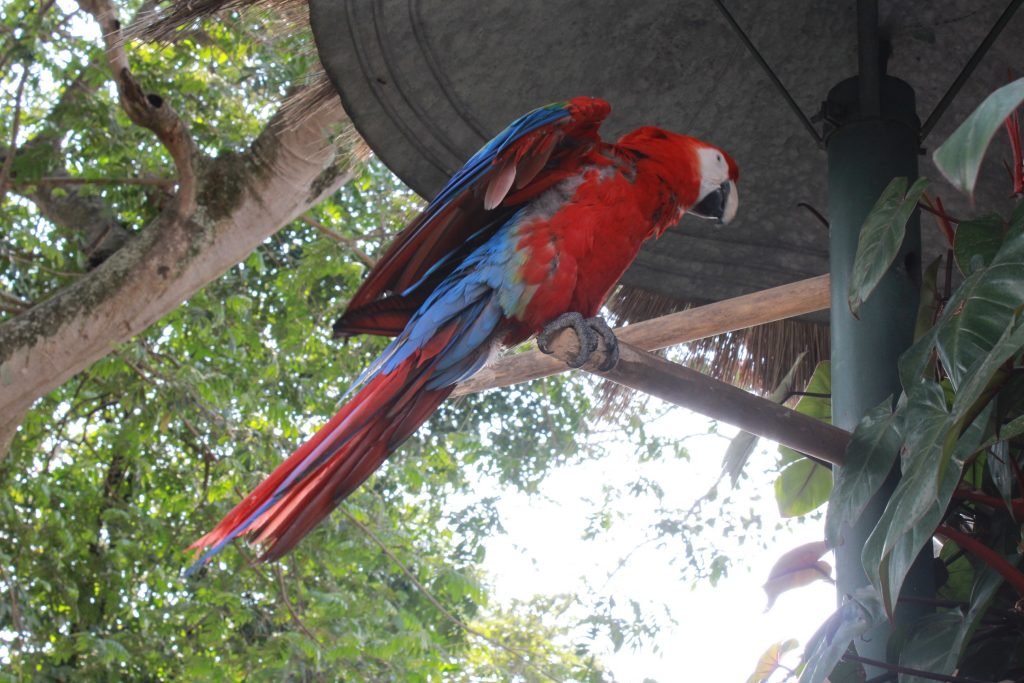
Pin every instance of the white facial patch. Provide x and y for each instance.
(714, 170)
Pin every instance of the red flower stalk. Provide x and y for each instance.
(941, 217)
(1012, 124)
(990, 557)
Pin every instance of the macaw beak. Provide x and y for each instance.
(720, 204)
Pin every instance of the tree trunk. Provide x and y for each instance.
(240, 201)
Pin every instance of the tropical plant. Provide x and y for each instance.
(954, 434)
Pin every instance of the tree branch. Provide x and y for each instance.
(5, 170)
(350, 244)
(244, 198)
(88, 217)
(147, 110)
(644, 371)
(283, 592)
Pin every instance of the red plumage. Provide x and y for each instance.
(542, 221)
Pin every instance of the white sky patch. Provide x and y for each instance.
(719, 632)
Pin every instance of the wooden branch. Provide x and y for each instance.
(787, 301)
(148, 110)
(293, 165)
(332, 234)
(8, 162)
(690, 389)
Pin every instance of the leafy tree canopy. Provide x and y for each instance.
(113, 471)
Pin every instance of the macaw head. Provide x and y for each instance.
(701, 176)
(718, 198)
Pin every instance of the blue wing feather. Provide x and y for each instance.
(483, 160)
(457, 220)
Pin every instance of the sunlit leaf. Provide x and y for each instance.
(802, 487)
(796, 568)
(743, 444)
(770, 661)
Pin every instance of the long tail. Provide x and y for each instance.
(307, 486)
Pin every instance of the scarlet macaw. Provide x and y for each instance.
(540, 223)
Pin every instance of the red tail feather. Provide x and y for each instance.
(307, 486)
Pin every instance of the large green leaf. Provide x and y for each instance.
(938, 640)
(930, 296)
(932, 466)
(935, 451)
(975, 317)
(881, 238)
(959, 157)
(869, 459)
(803, 486)
(932, 645)
(977, 242)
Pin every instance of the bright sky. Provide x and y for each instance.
(722, 630)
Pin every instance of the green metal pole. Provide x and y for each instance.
(867, 147)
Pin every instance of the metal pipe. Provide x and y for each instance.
(868, 58)
(864, 154)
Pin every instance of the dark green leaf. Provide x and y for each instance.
(932, 466)
(881, 237)
(1001, 468)
(977, 242)
(869, 460)
(959, 157)
(932, 645)
(975, 318)
(928, 306)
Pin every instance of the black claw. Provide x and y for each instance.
(588, 330)
(611, 342)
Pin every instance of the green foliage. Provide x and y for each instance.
(804, 485)
(876, 443)
(881, 237)
(959, 157)
(115, 473)
(111, 476)
(955, 431)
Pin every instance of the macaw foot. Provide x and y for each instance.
(588, 330)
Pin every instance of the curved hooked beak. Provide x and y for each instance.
(719, 204)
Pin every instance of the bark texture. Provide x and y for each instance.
(235, 202)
